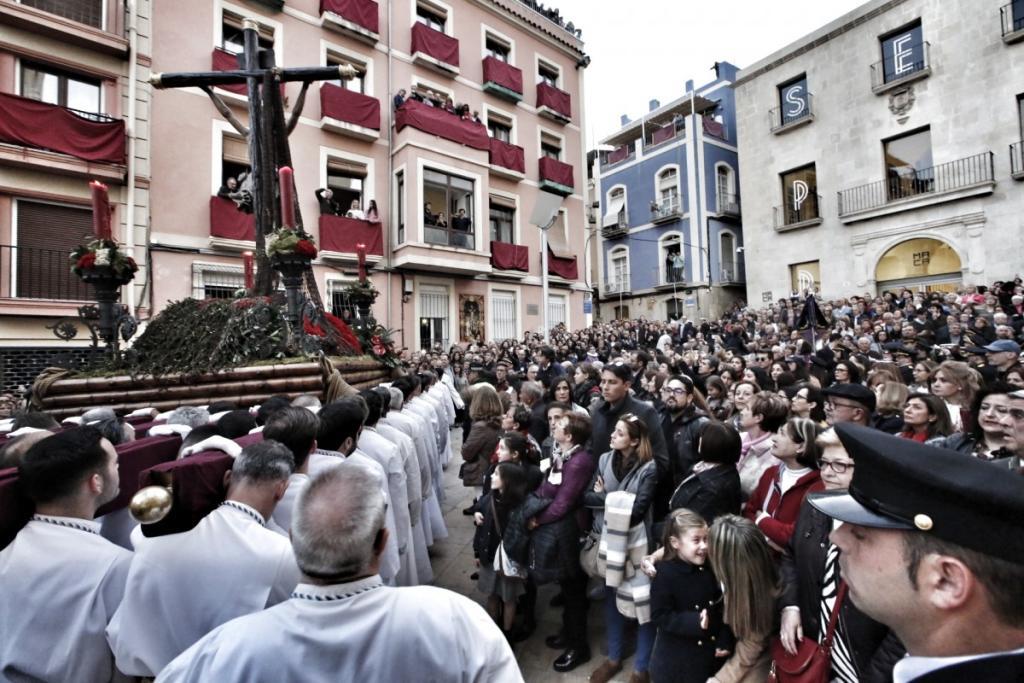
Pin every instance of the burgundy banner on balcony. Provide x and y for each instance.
(361, 12)
(338, 233)
(227, 222)
(562, 267)
(663, 134)
(505, 256)
(441, 123)
(555, 171)
(618, 154)
(712, 127)
(553, 98)
(505, 75)
(16, 509)
(507, 156)
(48, 126)
(134, 457)
(440, 46)
(349, 106)
(226, 61)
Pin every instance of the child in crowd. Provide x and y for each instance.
(686, 606)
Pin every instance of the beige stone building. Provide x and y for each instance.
(466, 268)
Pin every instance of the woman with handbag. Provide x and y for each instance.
(485, 412)
(555, 539)
(859, 649)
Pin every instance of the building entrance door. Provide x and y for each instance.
(922, 264)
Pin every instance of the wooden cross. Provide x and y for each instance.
(267, 134)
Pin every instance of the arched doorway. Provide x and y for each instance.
(923, 263)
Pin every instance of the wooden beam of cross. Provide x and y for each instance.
(266, 134)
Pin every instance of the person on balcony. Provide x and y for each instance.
(229, 187)
(355, 211)
(372, 215)
(461, 222)
(429, 217)
(676, 267)
(449, 106)
(328, 206)
(399, 99)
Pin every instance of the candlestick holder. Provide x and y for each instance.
(108, 321)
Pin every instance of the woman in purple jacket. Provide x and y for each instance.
(555, 541)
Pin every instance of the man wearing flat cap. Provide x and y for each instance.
(932, 545)
(848, 403)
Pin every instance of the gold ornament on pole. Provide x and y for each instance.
(151, 504)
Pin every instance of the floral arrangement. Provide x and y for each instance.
(287, 241)
(102, 256)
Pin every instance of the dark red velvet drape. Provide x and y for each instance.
(553, 98)
(556, 171)
(505, 75)
(227, 222)
(225, 61)
(197, 484)
(618, 154)
(441, 123)
(507, 156)
(349, 106)
(361, 12)
(47, 126)
(338, 233)
(663, 134)
(562, 267)
(505, 256)
(436, 44)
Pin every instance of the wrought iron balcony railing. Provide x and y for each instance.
(790, 114)
(788, 215)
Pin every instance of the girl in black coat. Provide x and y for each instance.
(686, 606)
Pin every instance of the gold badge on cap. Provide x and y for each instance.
(923, 522)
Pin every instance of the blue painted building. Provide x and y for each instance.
(669, 217)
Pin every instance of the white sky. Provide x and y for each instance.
(648, 49)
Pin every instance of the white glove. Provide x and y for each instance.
(214, 443)
(143, 412)
(167, 430)
(71, 421)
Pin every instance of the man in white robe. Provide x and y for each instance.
(342, 623)
(295, 427)
(60, 581)
(412, 429)
(420, 415)
(182, 586)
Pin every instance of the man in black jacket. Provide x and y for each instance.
(616, 380)
(681, 424)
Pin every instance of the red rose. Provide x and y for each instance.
(305, 248)
(86, 261)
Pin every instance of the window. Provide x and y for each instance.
(433, 317)
(794, 100)
(547, 74)
(557, 311)
(1020, 112)
(502, 223)
(234, 159)
(800, 195)
(675, 309)
(672, 257)
(621, 312)
(500, 127)
(503, 315)
(216, 282)
(448, 210)
(346, 179)
(727, 256)
(616, 216)
(53, 86)
(805, 276)
(46, 233)
(340, 305)
(358, 82)
(550, 146)
(668, 192)
(497, 48)
(618, 270)
(89, 12)
(400, 199)
(431, 16)
(908, 164)
(233, 37)
(725, 190)
(903, 53)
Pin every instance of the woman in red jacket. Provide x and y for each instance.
(775, 503)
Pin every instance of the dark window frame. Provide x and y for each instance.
(461, 239)
(63, 76)
(431, 17)
(500, 224)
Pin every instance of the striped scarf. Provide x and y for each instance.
(621, 550)
(843, 669)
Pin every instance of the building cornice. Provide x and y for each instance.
(539, 25)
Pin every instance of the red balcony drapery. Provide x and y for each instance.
(506, 256)
(226, 61)
(712, 127)
(556, 171)
(553, 98)
(441, 123)
(618, 154)
(503, 74)
(363, 13)
(507, 156)
(436, 44)
(48, 126)
(338, 233)
(562, 267)
(227, 222)
(349, 106)
(663, 134)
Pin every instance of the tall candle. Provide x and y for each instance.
(249, 275)
(287, 184)
(100, 210)
(361, 253)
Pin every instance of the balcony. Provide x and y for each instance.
(507, 160)
(727, 205)
(95, 139)
(349, 113)
(617, 287)
(1017, 160)
(442, 124)
(510, 260)
(666, 133)
(435, 50)
(619, 155)
(503, 80)
(884, 76)
(715, 129)
(339, 237)
(553, 103)
(78, 23)
(909, 188)
(615, 226)
(784, 119)
(666, 211)
(562, 267)
(556, 176)
(806, 215)
(357, 19)
(674, 277)
(1011, 18)
(31, 273)
(731, 275)
(229, 227)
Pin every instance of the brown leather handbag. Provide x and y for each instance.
(812, 661)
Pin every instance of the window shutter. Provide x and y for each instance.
(46, 235)
(236, 150)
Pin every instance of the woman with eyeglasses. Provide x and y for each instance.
(806, 400)
(862, 649)
(987, 438)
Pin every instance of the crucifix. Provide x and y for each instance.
(266, 134)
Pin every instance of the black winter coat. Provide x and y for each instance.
(874, 647)
(710, 493)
